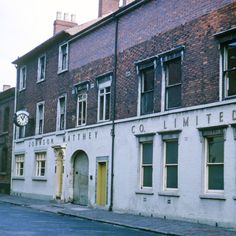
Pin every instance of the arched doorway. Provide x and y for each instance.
(80, 187)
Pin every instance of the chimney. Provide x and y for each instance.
(107, 6)
(6, 87)
(63, 24)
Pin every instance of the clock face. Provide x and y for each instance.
(21, 118)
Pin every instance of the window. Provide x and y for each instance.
(22, 81)
(146, 163)
(40, 164)
(40, 118)
(6, 119)
(63, 58)
(173, 83)
(104, 98)
(147, 90)
(215, 163)
(229, 69)
(61, 113)
(3, 160)
(20, 159)
(81, 109)
(41, 68)
(20, 132)
(171, 164)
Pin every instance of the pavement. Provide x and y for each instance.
(151, 224)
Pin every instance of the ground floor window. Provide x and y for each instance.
(171, 164)
(19, 159)
(40, 164)
(215, 162)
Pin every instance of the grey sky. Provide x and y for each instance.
(27, 23)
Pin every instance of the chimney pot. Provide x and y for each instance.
(58, 17)
(66, 17)
(73, 18)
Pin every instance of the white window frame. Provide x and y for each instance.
(60, 58)
(22, 80)
(141, 143)
(167, 165)
(41, 68)
(19, 165)
(224, 69)
(40, 157)
(37, 130)
(81, 99)
(207, 190)
(59, 113)
(20, 132)
(103, 86)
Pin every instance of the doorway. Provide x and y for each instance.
(80, 188)
(101, 197)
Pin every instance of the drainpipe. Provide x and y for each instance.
(113, 113)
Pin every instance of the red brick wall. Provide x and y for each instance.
(154, 28)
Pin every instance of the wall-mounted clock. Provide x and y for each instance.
(21, 118)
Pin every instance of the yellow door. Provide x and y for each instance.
(101, 184)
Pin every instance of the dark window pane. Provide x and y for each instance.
(172, 152)
(147, 176)
(84, 112)
(107, 115)
(174, 96)
(148, 79)
(174, 71)
(172, 177)
(147, 103)
(6, 119)
(216, 177)
(101, 107)
(147, 153)
(232, 83)
(216, 150)
(232, 56)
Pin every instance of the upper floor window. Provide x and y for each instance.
(20, 132)
(61, 113)
(40, 118)
(147, 90)
(82, 109)
(63, 58)
(104, 98)
(6, 119)
(229, 69)
(22, 80)
(173, 83)
(41, 68)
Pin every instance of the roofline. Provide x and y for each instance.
(120, 12)
(117, 14)
(38, 48)
(7, 93)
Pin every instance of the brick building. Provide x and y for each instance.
(6, 136)
(134, 111)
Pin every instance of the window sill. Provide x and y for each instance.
(212, 196)
(43, 179)
(4, 133)
(169, 194)
(20, 140)
(18, 178)
(234, 197)
(40, 81)
(145, 192)
(62, 71)
(21, 90)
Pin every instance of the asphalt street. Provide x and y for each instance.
(17, 220)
